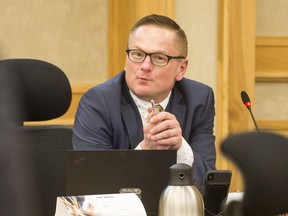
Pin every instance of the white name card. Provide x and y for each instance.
(124, 204)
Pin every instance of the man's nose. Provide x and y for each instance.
(147, 63)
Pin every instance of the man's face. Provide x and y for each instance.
(148, 81)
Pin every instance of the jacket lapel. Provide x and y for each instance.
(135, 131)
(131, 115)
(177, 106)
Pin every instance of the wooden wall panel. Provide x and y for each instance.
(277, 126)
(272, 59)
(272, 66)
(236, 71)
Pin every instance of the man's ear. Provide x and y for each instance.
(182, 70)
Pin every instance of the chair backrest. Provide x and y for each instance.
(43, 88)
(262, 160)
(15, 182)
(44, 93)
(47, 148)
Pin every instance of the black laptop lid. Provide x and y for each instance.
(107, 171)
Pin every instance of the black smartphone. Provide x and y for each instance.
(216, 190)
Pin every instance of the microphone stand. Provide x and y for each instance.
(255, 123)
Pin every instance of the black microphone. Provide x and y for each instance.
(247, 103)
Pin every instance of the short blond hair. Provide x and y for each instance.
(167, 23)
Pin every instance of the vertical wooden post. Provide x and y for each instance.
(236, 72)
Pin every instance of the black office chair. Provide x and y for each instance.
(44, 93)
(263, 162)
(15, 199)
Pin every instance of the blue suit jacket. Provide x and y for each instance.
(107, 118)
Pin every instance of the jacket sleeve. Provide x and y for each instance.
(202, 142)
(92, 127)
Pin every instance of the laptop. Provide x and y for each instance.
(109, 171)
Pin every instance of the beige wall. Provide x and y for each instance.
(271, 18)
(69, 33)
(199, 20)
(271, 99)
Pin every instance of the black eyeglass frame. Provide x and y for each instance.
(149, 54)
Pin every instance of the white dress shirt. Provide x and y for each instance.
(184, 153)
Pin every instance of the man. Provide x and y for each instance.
(117, 114)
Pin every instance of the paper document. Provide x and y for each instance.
(234, 196)
(124, 204)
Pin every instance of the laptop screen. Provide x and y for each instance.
(109, 171)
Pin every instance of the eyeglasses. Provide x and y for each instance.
(158, 59)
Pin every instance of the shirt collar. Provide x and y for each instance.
(143, 105)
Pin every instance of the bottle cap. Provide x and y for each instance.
(180, 175)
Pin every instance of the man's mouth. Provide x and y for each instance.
(143, 78)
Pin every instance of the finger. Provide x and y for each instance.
(167, 133)
(160, 117)
(173, 132)
(169, 137)
(173, 142)
(164, 125)
(148, 117)
(163, 131)
(162, 147)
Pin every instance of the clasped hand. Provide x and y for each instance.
(161, 131)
